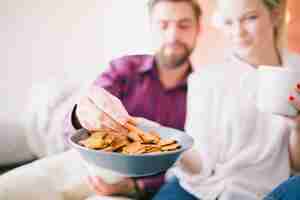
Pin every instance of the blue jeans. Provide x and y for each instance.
(173, 191)
(289, 190)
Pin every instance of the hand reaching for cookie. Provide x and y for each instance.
(99, 109)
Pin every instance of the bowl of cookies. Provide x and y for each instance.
(141, 151)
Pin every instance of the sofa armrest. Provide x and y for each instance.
(47, 105)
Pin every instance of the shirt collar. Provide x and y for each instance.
(282, 54)
(150, 65)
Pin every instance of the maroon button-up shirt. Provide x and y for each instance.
(134, 80)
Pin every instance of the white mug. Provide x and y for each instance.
(275, 85)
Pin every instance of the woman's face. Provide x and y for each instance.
(248, 24)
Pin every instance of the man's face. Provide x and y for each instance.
(175, 29)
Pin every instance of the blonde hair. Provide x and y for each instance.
(271, 4)
(280, 31)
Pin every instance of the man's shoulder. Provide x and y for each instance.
(132, 63)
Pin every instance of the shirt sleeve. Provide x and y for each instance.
(113, 80)
(201, 124)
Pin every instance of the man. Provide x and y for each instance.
(151, 87)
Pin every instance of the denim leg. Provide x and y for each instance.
(173, 191)
(288, 190)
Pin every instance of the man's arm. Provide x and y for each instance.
(190, 161)
(111, 80)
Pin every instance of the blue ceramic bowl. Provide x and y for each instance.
(135, 165)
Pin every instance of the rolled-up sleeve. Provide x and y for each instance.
(113, 80)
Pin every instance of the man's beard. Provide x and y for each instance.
(173, 61)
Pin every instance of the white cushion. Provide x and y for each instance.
(14, 148)
(37, 131)
(59, 177)
(48, 104)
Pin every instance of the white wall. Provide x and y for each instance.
(39, 40)
(134, 35)
(126, 29)
(57, 38)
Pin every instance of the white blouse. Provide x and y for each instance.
(243, 152)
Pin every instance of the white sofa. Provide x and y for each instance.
(57, 175)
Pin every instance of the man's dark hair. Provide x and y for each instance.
(194, 3)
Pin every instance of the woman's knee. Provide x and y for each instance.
(288, 190)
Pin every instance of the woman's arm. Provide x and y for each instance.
(190, 161)
(294, 146)
(294, 150)
(200, 124)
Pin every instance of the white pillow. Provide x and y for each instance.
(14, 148)
(44, 116)
(58, 177)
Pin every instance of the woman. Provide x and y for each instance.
(244, 153)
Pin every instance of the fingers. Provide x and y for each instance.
(132, 128)
(99, 186)
(295, 102)
(297, 120)
(298, 88)
(88, 115)
(146, 122)
(133, 120)
(108, 103)
(104, 189)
